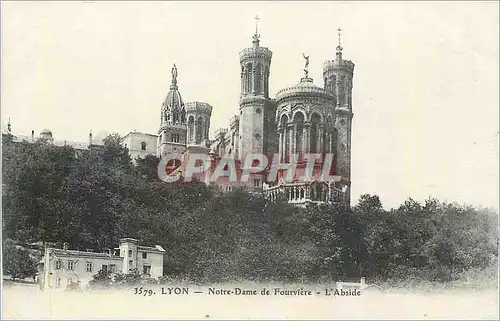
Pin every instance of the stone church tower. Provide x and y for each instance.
(338, 75)
(255, 63)
(172, 132)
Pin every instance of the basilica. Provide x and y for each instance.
(304, 118)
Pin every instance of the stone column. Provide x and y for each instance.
(254, 79)
(291, 140)
(294, 145)
(330, 139)
(243, 83)
(207, 126)
(320, 139)
(317, 140)
(304, 141)
(307, 137)
(337, 91)
(195, 131)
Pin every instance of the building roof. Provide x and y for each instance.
(73, 253)
(198, 107)
(138, 134)
(305, 87)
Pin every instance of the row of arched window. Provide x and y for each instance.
(319, 140)
(343, 89)
(197, 131)
(175, 116)
(255, 79)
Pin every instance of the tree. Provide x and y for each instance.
(17, 261)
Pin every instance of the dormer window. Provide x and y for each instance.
(143, 146)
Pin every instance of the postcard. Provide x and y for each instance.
(250, 160)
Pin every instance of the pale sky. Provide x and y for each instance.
(425, 96)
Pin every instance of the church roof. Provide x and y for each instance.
(46, 131)
(198, 107)
(305, 87)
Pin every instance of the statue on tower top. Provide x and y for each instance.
(306, 67)
(174, 74)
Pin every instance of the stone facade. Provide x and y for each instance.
(301, 119)
(140, 144)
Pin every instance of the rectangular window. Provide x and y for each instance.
(129, 252)
(146, 269)
(144, 255)
(130, 264)
(89, 266)
(58, 282)
(112, 268)
(256, 182)
(58, 264)
(71, 265)
(104, 268)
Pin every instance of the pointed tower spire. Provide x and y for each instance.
(339, 46)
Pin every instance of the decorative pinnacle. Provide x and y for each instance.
(256, 36)
(257, 24)
(339, 47)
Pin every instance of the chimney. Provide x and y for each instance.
(65, 246)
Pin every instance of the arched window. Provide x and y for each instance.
(333, 86)
(298, 120)
(286, 138)
(315, 121)
(191, 129)
(143, 146)
(206, 128)
(258, 79)
(249, 78)
(183, 116)
(176, 116)
(335, 149)
(341, 98)
(199, 130)
(266, 82)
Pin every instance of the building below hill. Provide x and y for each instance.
(66, 267)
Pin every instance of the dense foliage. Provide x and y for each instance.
(93, 200)
(18, 262)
